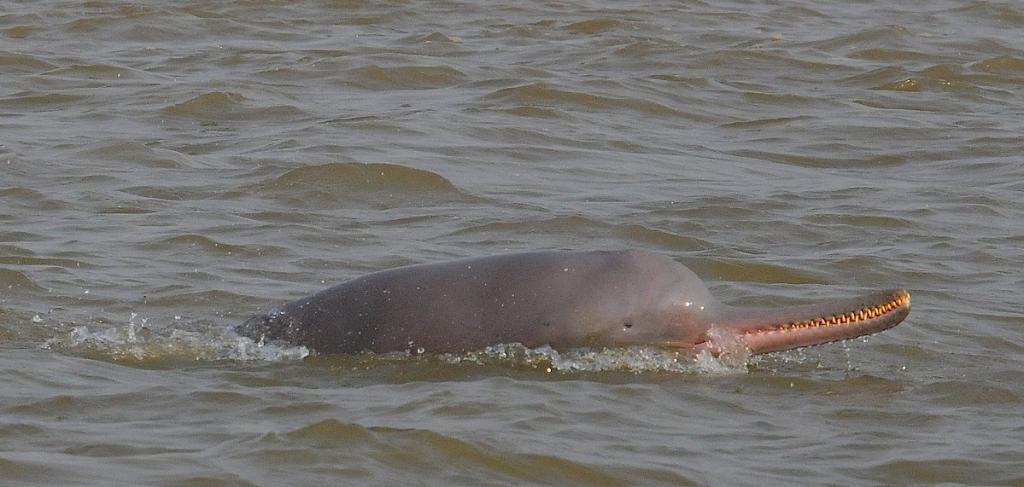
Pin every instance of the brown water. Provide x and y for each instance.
(169, 169)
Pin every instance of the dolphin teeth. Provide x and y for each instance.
(862, 314)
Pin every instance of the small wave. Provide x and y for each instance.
(172, 192)
(365, 177)
(11, 279)
(38, 101)
(546, 95)
(940, 77)
(884, 160)
(595, 26)
(418, 450)
(216, 100)
(226, 106)
(576, 225)
(20, 197)
(135, 153)
(439, 37)
(885, 54)
(203, 244)
(884, 37)
(533, 112)
(560, 225)
(759, 123)
(756, 272)
(99, 71)
(30, 260)
(377, 184)
(1000, 65)
(18, 62)
(375, 77)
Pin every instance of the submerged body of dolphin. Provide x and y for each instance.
(561, 299)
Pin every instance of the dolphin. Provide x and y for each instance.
(561, 299)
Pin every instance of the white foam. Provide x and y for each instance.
(137, 342)
(636, 359)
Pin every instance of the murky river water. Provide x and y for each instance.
(168, 169)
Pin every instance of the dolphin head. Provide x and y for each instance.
(660, 302)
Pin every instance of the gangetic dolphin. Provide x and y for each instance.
(562, 299)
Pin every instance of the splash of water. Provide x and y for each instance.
(139, 343)
(638, 359)
(732, 350)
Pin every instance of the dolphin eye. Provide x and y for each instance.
(627, 325)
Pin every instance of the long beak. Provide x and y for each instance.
(764, 330)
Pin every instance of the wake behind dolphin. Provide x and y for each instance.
(561, 299)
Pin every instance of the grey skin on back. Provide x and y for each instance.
(561, 299)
